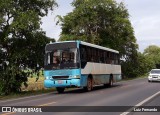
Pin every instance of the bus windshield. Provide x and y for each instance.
(62, 59)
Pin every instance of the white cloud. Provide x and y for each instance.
(145, 43)
(49, 22)
(145, 18)
(147, 28)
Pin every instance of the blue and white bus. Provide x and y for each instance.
(80, 64)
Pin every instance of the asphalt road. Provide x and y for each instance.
(125, 93)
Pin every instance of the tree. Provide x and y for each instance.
(22, 40)
(146, 61)
(153, 52)
(105, 23)
(144, 65)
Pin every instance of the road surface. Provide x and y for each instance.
(125, 93)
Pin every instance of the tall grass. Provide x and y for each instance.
(33, 83)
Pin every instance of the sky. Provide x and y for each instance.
(144, 17)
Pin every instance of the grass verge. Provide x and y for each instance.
(132, 78)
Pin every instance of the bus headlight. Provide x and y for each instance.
(75, 76)
(46, 78)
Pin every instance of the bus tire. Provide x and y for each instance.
(111, 81)
(60, 89)
(89, 84)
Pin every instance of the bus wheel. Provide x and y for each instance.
(89, 85)
(111, 81)
(60, 89)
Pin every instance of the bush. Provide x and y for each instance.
(11, 79)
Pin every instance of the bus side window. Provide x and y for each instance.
(101, 56)
(98, 55)
(108, 58)
(95, 56)
(117, 59)
(92, 54)
(88, 54)
(112, 58)
(83, 56)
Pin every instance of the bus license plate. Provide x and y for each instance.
(60, 82)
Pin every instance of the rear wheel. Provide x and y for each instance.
(89, 85)
(111, 82)
(60, 89)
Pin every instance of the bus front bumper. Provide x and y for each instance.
(62, 83)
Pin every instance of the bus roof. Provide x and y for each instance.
(88, 44)
(99, 47)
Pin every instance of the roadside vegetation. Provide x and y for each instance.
(34, 87)
(22, 41)
(22, 45)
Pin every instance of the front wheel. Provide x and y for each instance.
(60, 89)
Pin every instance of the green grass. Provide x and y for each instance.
(143, 76)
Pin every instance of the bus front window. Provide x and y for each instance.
(56, 57)
(62, 59)
(69, 56)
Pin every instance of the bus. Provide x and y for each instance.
(80, 64)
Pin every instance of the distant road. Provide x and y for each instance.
(125, 93)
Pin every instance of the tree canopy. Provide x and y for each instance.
(22, 40)
(153, 52)
(104, 22)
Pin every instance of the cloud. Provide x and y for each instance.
(147, 28)
(143, 44)
(49, 22)
(145, 19)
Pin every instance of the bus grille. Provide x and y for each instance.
(60, 77)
